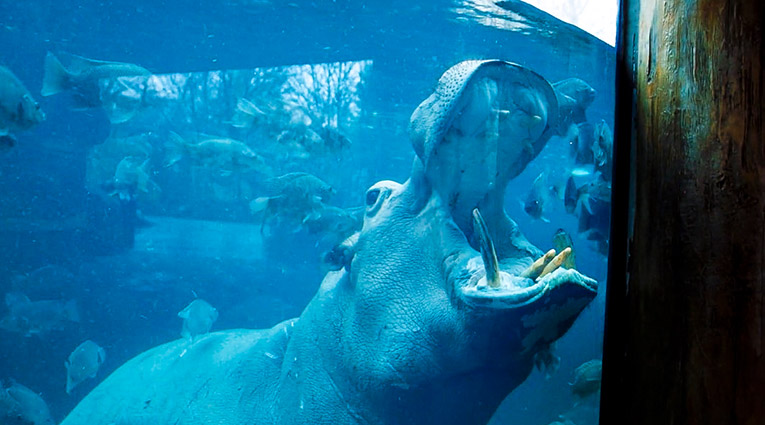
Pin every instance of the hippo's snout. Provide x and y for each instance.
(483, 124)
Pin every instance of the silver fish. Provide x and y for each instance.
(82, 75)
(20, 405)
(198, 317)
(18, 110)
(36, 317)
(538, 199)
(587, 378)
(83, 363)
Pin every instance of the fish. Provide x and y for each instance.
(581, 138)
(21, 405)
(538, 200)
(304, 140)
(220, 154)
(82, 75)
(120, 101)
(18, 109)
(130, 177)
(587, 378)
(247, 114)
(198, 317)
(574, 97)
(570, 195)
(333, 139)
(83, 363)
(602, 149)
(562, 240)
(44, 281)
(37, 317)
(301, 140)
(295, 199)
(332, 223)
(591, 203)
(594, 205)
(300, 184)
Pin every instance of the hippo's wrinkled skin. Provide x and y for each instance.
(408, 332)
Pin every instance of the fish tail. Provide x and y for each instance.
(259, 204)
(56, 78)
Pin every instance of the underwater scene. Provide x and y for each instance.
(299, 212)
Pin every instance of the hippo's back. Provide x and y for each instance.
(222, 377)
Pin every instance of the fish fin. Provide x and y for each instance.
(545, 219)
(78, 64)
(249, 108)
(174, 149)
(313, 215)
(259, 204)
(584, 202)
(56, 78)
(541, 180)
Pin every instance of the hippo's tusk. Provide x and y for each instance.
(488, 253)
(536, 269)
(556, 262)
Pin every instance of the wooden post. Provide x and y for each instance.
(685, 327)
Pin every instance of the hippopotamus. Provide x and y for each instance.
(436, 314)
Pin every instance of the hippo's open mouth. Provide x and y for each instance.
(479, 277)
(480, 128)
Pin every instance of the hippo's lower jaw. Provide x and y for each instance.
(480, 278)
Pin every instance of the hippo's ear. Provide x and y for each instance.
(490, 112)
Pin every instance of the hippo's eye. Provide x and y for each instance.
(372, 196)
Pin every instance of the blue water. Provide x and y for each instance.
(130, 287)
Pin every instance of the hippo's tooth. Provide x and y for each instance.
(488, 253)
(556, 262)
(536, 269)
